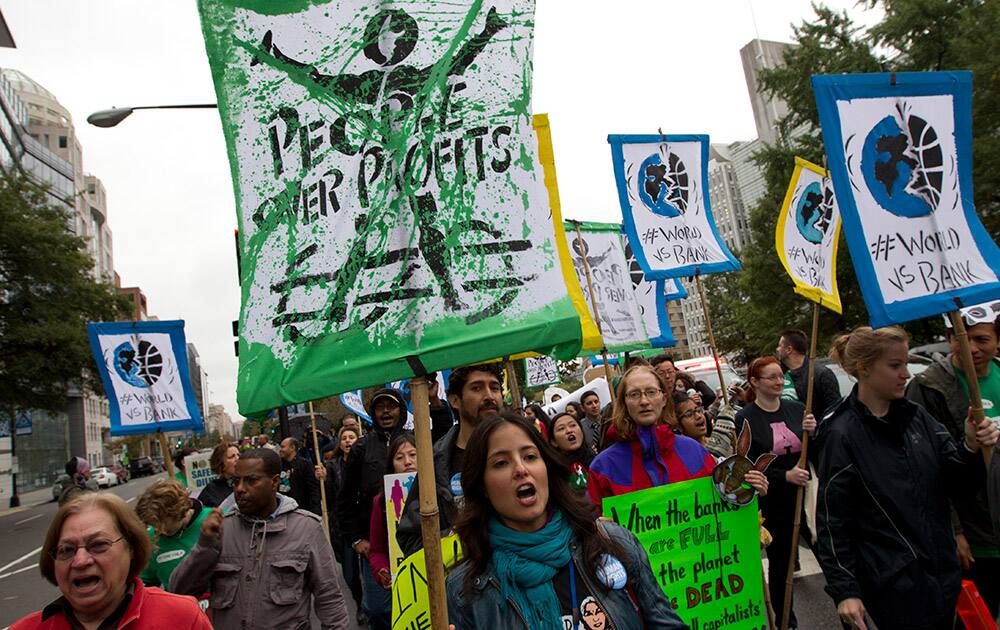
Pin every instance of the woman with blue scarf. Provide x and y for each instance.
(535, 557)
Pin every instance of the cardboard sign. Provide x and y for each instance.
(704, 552)
(397, 488)
(540, 371)
(410, 602)
(198, 471)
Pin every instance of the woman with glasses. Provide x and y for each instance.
(776, 426)
(94, 551)
(693, 422)
(644, 452)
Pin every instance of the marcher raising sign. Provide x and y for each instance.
(807, 234)
(383, 215)
(899, 147)
(663, 191)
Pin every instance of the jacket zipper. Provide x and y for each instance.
(513, 605)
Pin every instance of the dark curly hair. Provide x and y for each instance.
(477, 510)
(460, 376)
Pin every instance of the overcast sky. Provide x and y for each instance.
(630, 67)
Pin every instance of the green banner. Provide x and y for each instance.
(704, 552)
(390, 198)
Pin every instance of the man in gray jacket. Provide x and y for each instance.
(263, 560)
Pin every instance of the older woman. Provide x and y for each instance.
(644, 451)
(94, 551)
(535, 557)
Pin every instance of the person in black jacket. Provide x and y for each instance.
(776, 426)
(298, 480)
(223, 463)
(793, 346)
(475, 392)
(886, 472)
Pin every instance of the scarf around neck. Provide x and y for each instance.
(526, 563)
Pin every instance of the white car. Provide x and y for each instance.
(105, 477)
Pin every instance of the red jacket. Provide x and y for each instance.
(150, 609)
(649, 457)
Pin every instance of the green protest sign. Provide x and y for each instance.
(704, 552)
(391, 204)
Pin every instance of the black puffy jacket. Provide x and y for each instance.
(883, 518)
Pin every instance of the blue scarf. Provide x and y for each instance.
(526, 563)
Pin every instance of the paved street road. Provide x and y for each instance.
(23, 590)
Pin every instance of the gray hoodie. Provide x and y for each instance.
(260, 572)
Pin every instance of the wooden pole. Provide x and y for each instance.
(597, 320)
(429, 524)
(786, 611)
(971, 376)
(711, 338)
(168, 461)
(512, 385)
(767, 600)
(322, 486)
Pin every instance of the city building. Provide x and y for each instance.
(757, 55)
(140, 312)
(219, 421)
(199, 379)
(730, 213)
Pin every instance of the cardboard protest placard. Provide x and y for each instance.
(663, 192)
(704, 552)
(198, 471)
(540, 371)
(621, 318)
(397, 488)
(410, 603)
(899, 149)
(808, 232)
(144, 368)
(392, 207)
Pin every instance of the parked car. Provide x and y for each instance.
(158, 465)
(105, 477)
(120, 472)
(703, 369)
(141, 466)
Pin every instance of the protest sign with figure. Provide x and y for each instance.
(391, 204)
(704, 552)
(663, 191)
(808, 232)
(899, 149)
(540, 371)
(621, 317)
(144, 368)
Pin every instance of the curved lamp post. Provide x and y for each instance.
(113, 116)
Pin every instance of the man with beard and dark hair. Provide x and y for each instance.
(366, 465)
(474, 391)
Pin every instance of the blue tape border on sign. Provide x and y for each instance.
(618, 160)
(831, 88)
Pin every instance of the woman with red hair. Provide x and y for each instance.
(776, 425)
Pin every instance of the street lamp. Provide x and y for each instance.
(113, 116)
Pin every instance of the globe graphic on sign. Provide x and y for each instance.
(664, 188)
(634, 269)
(903, 168)
(810, 212)
(139, 368)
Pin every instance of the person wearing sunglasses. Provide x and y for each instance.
(644, 452)
(94, 550)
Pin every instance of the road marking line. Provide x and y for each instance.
(21, 570)
(29, 519)
(130, 499)
(20, 560)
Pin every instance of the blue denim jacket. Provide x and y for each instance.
(483, 608)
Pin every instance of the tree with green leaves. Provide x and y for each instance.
(47, 296)
(750, 309)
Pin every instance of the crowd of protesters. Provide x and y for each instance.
(906, 508)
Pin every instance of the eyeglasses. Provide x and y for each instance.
(650, 394)
(690, 413)
(98, 547)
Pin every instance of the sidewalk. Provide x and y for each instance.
(28, 500)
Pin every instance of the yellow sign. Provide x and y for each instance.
(410, 602)
(808, 232)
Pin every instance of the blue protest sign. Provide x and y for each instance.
(663, 191)
(899, 151)
(144, 368)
